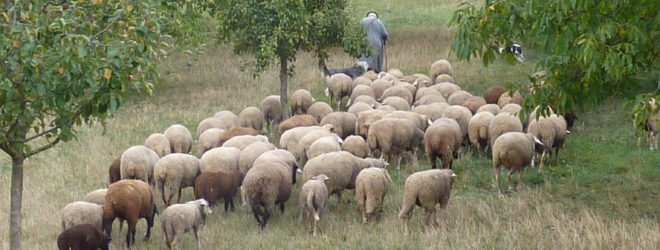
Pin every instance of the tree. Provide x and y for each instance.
(274, 31)
(595, 49)
(68, 63)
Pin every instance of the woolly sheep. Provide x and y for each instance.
(361, 90)
(242, 141)
(443, 139)
(96, 196)
(458, 97)
(491, 108)
(430, 99)
(250, 153)
(129, 200)
(269, 182)
(503, 123)
(208, 140)
(298, 121)
(322, 145)
(492, 94)
(372, 75)
(82, 212)
(343, 122)
(180, 138)
(397, 102)
(211, 186)
(544, 130)
(341, 167)
(396, 73)
(271, 107)
(300, 151)
(473, 103)
(181, 218)
(424, 91)
(388, 107)
(379, 86)
(386, 76)
(290, 139)
(318, 110)
(158, 143)
(174, 172)
(231, 133)
(220, 158)
(252, 117)
(361, 80)
(366, 118)
(478, 130)
(114, 171)
(505, 99)
(313, 197)
(356, 145)
(359, 107)
(440, 67)
(370, 189)
(444, 78)
(422, 77)
(514, 151)
(394, 136)
(339, 86)
(398, 91)
(511, 108)
(84, 236)
(446, 88)
(561, 129)
(300, 101)
(209, 123)
(431, 111)
(421, 121)
(367, 99)
(461, 114)
(138, 162)
(229, 119)
(426, 189)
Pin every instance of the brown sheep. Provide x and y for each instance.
(252, 117)
(443, 139)
(440, 67)
(394, 137)
(300, 101)
(344, 123)
(129, 200)
(426, 189)
(318, 110)
(297, 121)
(493, 94)
(84, 236)
(228, 134)
(514, 151)
(272, 110)
(339, 86)
(473, 103)
(212, 186)
(114, 172)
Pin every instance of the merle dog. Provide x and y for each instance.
(356, 70)
(515, 49)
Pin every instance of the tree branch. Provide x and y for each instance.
(51, 3)
(123, 12)
(34, 136)
(43, 148)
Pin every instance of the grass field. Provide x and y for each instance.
(603, 194)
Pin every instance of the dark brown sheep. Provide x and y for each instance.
(114, 171)
(212, 186)
(236, 132)
(297, 121)
(493, 94)
(83, 236)
(129, 200)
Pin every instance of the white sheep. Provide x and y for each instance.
(220, 158)
(82, 212)
(178, 219)
(313, 197)
(370, 189)
(158, 143)
(174, 172)
(426, 189)
(138, 162)
(180, 138)
(514, 151)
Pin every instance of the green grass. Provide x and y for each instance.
(602, 194)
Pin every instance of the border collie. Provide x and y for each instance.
(356, 70)
(515, 49)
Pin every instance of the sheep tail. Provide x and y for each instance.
(483, 132)
(310, 205)
(168, 233)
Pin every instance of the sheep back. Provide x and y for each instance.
(158, 143)
(180, 138)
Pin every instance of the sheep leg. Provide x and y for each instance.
(256, 215)
(196, 231)
(178, 199)
(430, 216)
(541, 161)
(510, 182)
(521, 180)
(226, 204)
(497, 179)
(432, 159)
(398, 161)
(316, 221)
(150, 224)
(556, 156)
(231, 203)
(282, 207)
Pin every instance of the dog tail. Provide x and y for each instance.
(325, 72)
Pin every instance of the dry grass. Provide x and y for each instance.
(593, 199)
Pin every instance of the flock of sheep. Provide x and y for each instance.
(388, 114)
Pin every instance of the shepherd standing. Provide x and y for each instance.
(377, 36)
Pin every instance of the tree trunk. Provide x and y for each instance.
(284, 77)
(16, 203)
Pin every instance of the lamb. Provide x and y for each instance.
(96, 196)
(250, 153)
(446, 88)
(398, 91)
(114, 172)
(492, 94)
(361, 90)
(461, 114)
(503, 123)
(220, 158)
(431, 111)
(129, 200)
(339, 86)
(359, 107)
(341, 167)
(443, 139)
(426, 189)
(208, 140)
(243, 141)
(158, 143)
(82, 212)
(211, 186)
(84, 236)
(379, 86)
(298, 121)
(229, 119)
(444, 78)
(344, 123)
(458, 97)
(138, 162)
(473, 103)
(180, 138)
(174, 172)
(492, 108)
(514, 151)
(300, 101)
(252, 117)
(397, 103)
(228, 134)
(370, 189)
(181, 218)
(394, 136)
(478, 131)
(368, 100)
(326, 144)
(269, 182)
(440, 67)
(313, 196)
(365, 119)
(208, 123)
(356, 145)
(271, 107)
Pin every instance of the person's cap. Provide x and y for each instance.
(372, 12)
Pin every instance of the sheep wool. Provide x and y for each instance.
(356, 145)
(318, 110)
(370, 189)
(82, 212)
(181, 218)
(313, 197)
(138, 162)
(158, 143)
(129, 200)
(252, 117)
(174, 172)
(180, 138)
(426, 189)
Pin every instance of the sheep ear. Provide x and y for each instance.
(568, 132)
(453, 175)
(326, 92)
(415, 83)
(536, 140)
(341, 141)
(429, 121)
(299, 171)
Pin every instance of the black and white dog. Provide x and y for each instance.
(515, 49)
(357, 70)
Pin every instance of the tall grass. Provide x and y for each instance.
(603, 193)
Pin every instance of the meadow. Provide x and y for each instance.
(602, 194)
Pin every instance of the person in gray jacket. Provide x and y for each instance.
(377, 36)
